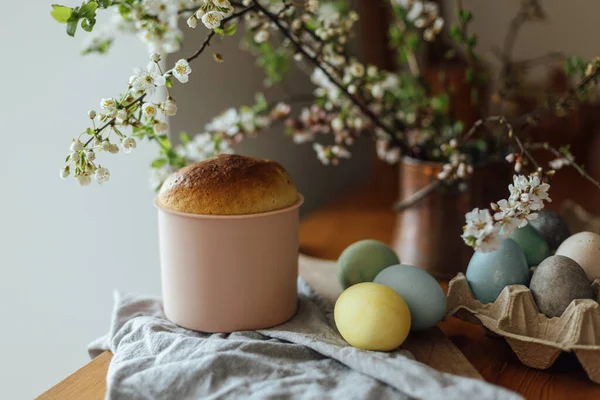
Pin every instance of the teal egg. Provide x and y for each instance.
(532, 243)
(423, 294)
(489, 273)
(363, 260)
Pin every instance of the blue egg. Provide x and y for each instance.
(423, 295)
(489, 273)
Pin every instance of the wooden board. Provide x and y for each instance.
(87, 383)
(432, 348)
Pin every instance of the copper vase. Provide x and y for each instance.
(427, 234)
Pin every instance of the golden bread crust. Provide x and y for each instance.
(229, 185)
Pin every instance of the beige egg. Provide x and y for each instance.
(584, 249)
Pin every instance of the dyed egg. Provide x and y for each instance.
(584, 249)
(552, 227)
(532, 243)
(372, 316)
(489, 273)
(556, 282)
(423, 295)
(363, 260)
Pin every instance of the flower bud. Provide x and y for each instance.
(92, 114)
(64, 172)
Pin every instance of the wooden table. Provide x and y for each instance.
(365, 213)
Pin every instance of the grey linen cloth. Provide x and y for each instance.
(304, 358)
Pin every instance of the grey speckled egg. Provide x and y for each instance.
(552, 227)
(556, 282)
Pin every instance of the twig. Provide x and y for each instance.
(558, 154)
(417, 196)
(411, 59)
(363, 108)
(529, 118)
(206, 42)
(465, 31)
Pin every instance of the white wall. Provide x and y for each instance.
(63, 248)
(568, 28)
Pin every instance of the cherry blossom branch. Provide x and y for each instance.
(206, 42)
(532, 117)
(558, 154)
(363, 108)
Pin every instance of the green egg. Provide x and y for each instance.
(363, 260)
(532, 243)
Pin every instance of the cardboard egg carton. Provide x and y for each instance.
(536, 339)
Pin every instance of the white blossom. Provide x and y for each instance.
(84, 180)
(146, 80)
(113, 148)
(92, 114)
(321, 153)
(527, 194)
(226, 122)
(108, 104)
(155, 57)
(76, 146)
(337, 124)
(181, 70)
(128, 144)
(102, 175)
(149, 110)
(212, 19)
(357, 70)
(160, 127)
(261, 36)
(169, 107)
(90, 155)
(377, 91)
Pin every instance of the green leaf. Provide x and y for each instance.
(450, 54)
(230, 30)
(61, 13)
(219, 32)
(72, 26)
(159, 162)
(465, 15)
(88, 24)
(456, 33)
(458, 127)
(474, 96)
(469, 75)
(164, 142)
(88, 10)
(261, 103)
(169, 82)
(124, 10)
(185, 138)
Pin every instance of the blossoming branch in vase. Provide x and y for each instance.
(398, 110)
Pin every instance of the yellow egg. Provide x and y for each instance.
(372, 316)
